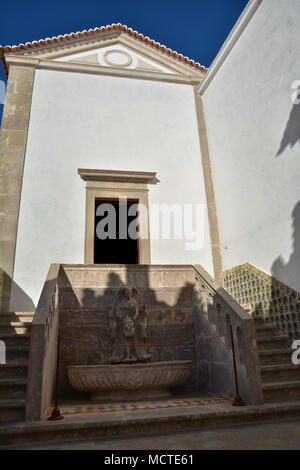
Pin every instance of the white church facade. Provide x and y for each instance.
(204, 163)
(112, 99)
(105, 100)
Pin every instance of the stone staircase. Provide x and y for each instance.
(15, 332)
(280, 378)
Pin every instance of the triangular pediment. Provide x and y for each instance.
(116, 55)
(114, 47)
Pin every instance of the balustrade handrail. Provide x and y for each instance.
(239, 318)
(42, 355)
(236, 309)
(46, 297)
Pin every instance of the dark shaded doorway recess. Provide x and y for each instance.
(120, 248)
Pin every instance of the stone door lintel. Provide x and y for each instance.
(113, 185)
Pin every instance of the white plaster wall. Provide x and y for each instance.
(87, 121)
(254, 134)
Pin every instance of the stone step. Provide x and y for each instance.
(281, 391)
(14, 369)
(17, 353)
(14, 339)
(12, 409)
(275, 356)
(279, 372)
(16, 316)
(259, 320)
(15, 327)
(265, 330)
(154, 421)
(272, 342)
(13, 387)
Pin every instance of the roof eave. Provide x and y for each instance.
(115, 28)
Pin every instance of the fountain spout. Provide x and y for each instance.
(128, 327)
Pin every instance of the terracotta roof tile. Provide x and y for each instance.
(84, 33)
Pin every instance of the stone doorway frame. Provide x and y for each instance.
(113, 185)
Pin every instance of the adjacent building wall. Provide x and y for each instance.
(100, 122)
(254, 135)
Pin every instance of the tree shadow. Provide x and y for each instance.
(290, 271)
(291, 133)
(284, 310)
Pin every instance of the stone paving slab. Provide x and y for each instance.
(144, 422)
(266, 436)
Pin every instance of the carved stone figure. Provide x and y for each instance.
(128, 327)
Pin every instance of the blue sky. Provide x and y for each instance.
(196, 29)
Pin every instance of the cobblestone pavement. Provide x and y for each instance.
(270, 436)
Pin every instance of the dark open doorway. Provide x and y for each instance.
(118, 247)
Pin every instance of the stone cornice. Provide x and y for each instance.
(159, 56)
(76, 45)
(98, 70)
(56, 50)
(142, 177)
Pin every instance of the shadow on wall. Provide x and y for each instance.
(188, 319)
(291, 134)
(176, 316)
(289, 272)
(84, 323)
(284, 309)
(12, 297)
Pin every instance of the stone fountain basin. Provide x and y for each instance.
(126, 382)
